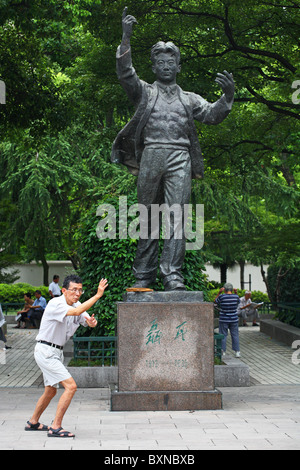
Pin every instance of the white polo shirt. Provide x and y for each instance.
(55, 289)
(55, 326)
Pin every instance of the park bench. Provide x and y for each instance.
(14, 307)
(11, 306)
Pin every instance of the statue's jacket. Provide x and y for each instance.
(128, 146)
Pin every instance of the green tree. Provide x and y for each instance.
(7, 255)
(63, 99)
(251, 159)
(48, 191)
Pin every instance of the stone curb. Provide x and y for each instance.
(233, 374)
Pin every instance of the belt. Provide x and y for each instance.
(51, 344)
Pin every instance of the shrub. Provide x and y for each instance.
(15, 292)
(288, 284)
(256, 296)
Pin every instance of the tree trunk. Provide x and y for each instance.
(265, 279)
(277, 289)
(45, 271)
(110, 117)
(75, 261)
(223, 273)
(242, 274)
(287, 174)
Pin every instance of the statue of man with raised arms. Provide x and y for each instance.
(160, 145)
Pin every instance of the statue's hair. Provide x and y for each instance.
(165, 47)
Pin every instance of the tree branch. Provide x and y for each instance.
(273, 105)
(249, 50)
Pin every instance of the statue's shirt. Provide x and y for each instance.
(167, 126)
(168, 122)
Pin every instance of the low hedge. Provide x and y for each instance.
(256, 296)
(15, 292)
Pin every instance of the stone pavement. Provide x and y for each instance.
(17, 365)
(269, 361)
(264, 416)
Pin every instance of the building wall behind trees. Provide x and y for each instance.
(32, 273)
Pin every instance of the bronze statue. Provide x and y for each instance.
(160, 145)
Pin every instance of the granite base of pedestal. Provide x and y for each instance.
(166, 401)
(165, 355)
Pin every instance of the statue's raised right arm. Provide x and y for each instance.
(127, 24)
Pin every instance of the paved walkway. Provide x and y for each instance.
(17, 365)
(264, 416)
(269, 361)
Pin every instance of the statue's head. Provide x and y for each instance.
(165, 57)
(165, 47)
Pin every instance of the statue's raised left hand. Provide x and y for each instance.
(225, 80)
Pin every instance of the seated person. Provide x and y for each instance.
(36, 311)
(2, 335)
(245, 310)
(28, 303)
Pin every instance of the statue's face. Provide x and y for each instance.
(166, 67)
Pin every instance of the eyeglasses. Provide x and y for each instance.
(80, 291)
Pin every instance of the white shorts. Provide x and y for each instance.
(50, 361)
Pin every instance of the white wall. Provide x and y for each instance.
(233, 276)
(33, 274)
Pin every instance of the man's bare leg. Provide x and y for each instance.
(63, 404)
(42, 404)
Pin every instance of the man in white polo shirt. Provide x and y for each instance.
(62, 316)
(54, 289)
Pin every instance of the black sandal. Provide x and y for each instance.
(59, 433)
(36, 427)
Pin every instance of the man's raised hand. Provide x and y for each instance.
(102, 286)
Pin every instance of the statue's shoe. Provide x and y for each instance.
(174, 285)
(141, 284)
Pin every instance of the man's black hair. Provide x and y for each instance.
(71, 278)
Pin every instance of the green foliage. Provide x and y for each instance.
(15, 292)
(7, 275)
(284, 283)
(256, 296)
(291, 316)
(65, 106)
(6, 261)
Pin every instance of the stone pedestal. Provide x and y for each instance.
(165, 354)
